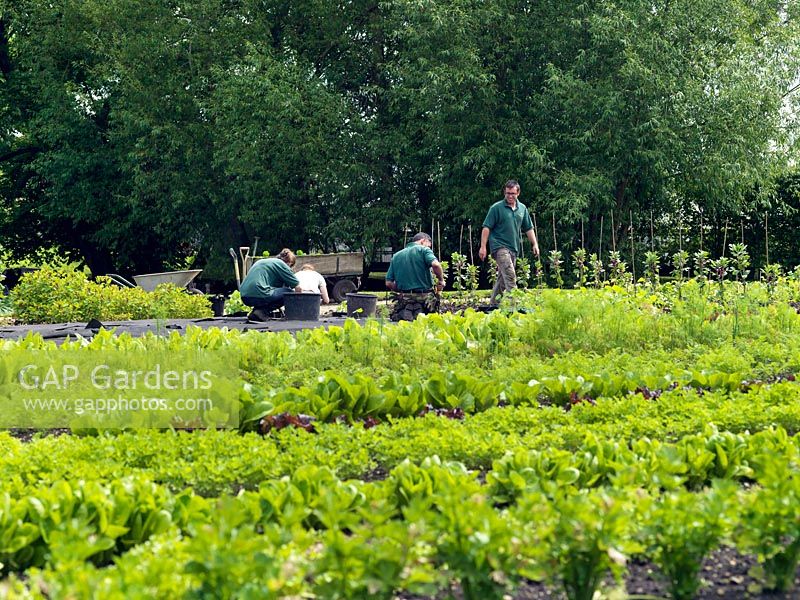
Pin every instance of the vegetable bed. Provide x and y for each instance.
(625, 442)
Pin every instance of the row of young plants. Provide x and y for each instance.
(676, 316)
(592, 271)
(62, 293)
(337, 396)
(423, 529)
(214, 462)
(589, 321)
(692, 462)
(491, 360)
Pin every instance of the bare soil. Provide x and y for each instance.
(29, 434)
(724, 573)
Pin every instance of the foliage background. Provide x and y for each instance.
(138, 133)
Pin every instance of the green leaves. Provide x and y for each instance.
(681, 528)
(72, 522)
(591, 535)
(17, 536)
(570, 516)
(770, 529)
(459, 390)
(520, 488)
(64, 294)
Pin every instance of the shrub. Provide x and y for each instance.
(171, 302)
(62, 294)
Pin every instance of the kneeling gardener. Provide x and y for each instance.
(410, 275)
(266, 283)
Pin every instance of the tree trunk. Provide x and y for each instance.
(98, 260)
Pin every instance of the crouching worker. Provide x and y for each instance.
(311, 281)
(266, 283)
(410, 277)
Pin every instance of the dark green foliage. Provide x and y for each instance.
(138, 133)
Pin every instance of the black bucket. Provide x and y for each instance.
(361, 305)
(301, 306)
(217, 304)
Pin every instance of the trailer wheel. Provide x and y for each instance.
(341, 288)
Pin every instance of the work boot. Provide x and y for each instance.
(258, 315)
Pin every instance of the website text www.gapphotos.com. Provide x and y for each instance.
(107, 405)
(145, 391)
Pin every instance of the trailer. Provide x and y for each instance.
(342, 270)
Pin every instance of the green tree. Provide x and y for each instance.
(137, 133)
(651, 105)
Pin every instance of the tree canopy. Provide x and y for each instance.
(140, 132)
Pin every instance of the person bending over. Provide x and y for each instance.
(267, 282)
(311, 281)
(410, 275)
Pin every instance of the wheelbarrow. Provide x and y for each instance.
(149, 281)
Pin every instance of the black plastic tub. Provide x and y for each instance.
(361, 305)
(301, 306)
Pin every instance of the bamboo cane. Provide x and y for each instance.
(583, 245)
(613, 234)
(471, 256)
(652, 235)
(633, 262)
(701, 230)
(600, 251)
(725, 237)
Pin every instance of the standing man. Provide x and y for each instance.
(266, 283)
(410, 275)
(501, 229)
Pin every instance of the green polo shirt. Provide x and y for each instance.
(266, 275)
(410, 268)
(504, 225)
